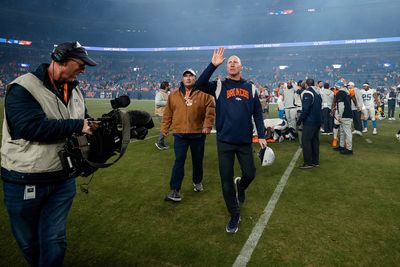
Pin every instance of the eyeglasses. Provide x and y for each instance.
(81, 65)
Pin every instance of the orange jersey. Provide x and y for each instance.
(351, 92)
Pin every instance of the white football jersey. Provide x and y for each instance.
(368, 97)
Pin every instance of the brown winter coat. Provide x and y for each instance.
(188, 118)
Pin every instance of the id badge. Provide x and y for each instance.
(29, 192)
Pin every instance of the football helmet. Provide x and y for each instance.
(267, 156)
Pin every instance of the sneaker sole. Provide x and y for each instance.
(158, 147)
(173, 199)
(232, 232)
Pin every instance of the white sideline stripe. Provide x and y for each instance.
(150, 137)
(251, 243)
(369, 141)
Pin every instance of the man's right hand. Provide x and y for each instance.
(218, 57)
(89, 126)
(165, 134)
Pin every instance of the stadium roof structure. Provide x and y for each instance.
(164, 23)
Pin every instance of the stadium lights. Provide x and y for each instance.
(336, 66)
(387, 65)
(283, 67)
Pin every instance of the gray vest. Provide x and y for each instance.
(37, 157)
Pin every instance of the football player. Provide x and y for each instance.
(369, 99)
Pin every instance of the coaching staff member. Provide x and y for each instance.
(236, 104)
(311, 119)
(42, 109)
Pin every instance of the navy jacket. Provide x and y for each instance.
(344, 97)
(235, 108)
(311, 108)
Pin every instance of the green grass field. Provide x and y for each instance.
(346, 212)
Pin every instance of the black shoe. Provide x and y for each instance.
(315, 164)
(306, 166)
(233, 224)
(339, 148)
(346, 152)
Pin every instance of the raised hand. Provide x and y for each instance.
(218, 57)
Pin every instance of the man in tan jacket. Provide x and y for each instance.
(191, 114)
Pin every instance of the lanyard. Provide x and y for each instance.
(65, 98)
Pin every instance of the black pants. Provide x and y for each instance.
(327, 119)
(391, 108)
(226, 159)
(310, 144)
(357, 120)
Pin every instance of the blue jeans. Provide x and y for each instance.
(39, 224)
(181, 144)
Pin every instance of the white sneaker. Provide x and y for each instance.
(374, 131)
(354, 132)
(365, 130)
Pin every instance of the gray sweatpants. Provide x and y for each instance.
(345, 133)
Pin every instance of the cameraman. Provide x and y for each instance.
(42, 109)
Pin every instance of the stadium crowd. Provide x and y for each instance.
(140, 76)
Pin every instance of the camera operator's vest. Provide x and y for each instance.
(36, 157)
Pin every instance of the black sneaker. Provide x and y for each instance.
(240, 194)
(173, 196)
(306, 166)
(346, 152)
(339, 148)
(233, 224)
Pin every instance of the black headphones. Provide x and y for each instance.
(60, 54)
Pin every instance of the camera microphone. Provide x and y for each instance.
(120, 102)
(140, 118)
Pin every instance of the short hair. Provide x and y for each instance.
(326, 85)
(238, 58)
(310, 82)
(164, 85)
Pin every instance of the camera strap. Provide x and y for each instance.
(84, 145)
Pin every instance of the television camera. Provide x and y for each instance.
(83, 154)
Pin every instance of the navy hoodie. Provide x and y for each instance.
(235, 107)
